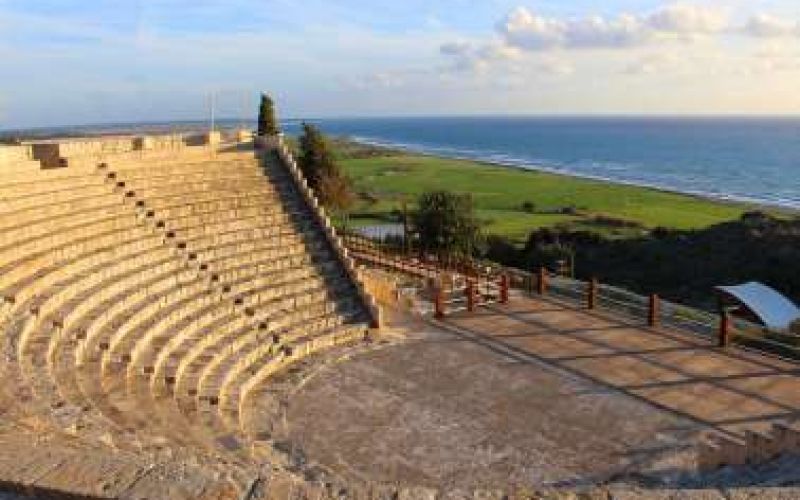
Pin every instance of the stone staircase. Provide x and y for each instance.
(148, 298)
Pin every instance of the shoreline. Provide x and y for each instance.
(521, 165)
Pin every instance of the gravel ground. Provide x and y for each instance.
(445, 412)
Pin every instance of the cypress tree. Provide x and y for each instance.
(267, 123)
(319, 167)
(316, 159)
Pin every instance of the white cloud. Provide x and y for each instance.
(524, 29)
(470, 57)
(688, 19)
(768, 26)
(528, 30)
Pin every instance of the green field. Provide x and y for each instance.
(383, 182)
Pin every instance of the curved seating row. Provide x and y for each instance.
(150, 297)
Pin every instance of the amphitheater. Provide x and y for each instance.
(180, 320)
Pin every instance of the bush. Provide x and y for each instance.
(446, 224)
(528, 207)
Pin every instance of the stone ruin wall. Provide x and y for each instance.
(16, 158)
(11, 154)
(56, 154)
(68, 152)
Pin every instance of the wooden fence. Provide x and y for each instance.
(650, 310)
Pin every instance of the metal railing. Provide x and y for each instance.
(650, 310)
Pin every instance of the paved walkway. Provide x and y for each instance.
(728, 390)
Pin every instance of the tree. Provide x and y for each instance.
(267, 123)
(335, 192)
(446, 224)
(316, 160)
(319, 167)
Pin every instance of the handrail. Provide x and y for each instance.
(287, 159)
(592, 294)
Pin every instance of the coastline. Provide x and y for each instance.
(524, 166)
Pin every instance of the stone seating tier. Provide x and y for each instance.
(149, 296)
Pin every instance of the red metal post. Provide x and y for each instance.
(724, 329)
(438, 303)
(653, 310)
(504, 288)
(591, 300)
(470, 295)
(541, 282)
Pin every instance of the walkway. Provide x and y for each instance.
(727, 390)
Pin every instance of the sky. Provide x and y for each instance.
(70, 62)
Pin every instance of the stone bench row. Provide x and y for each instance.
(20, 197)
(30, 278)
(105, 234)
(82, 206)
(143, 158)
(64, 179)
(163, 290)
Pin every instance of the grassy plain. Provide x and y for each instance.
(385, 179)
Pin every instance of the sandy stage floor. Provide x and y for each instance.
(445, 410)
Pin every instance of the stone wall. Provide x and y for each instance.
(755, 448)
(277, 142)
(63, 153)
(13, 154)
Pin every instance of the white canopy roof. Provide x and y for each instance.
(773, 309)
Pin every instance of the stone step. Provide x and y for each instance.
(105, 374)
(43, 233)
(251, 390)
(189, 189)
(137, 171)
(65, 246)
(26, 201)
(70, 208)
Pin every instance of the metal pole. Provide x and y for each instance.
(541, 284)
(724, 328)
(592, 298)
(504, 288)
(653, 311)
(438, 303)
(211, 110)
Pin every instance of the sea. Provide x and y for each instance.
(744, 159)
(732, 158)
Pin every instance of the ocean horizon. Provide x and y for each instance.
(745, 159)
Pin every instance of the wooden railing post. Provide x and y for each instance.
(653, 310)
(541, 282)
(504, 288)
(438, 303)
(591, 299)
(470, 295)
(724, 328)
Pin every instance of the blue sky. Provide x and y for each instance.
(85, 61)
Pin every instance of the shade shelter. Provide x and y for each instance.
(759, 303)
